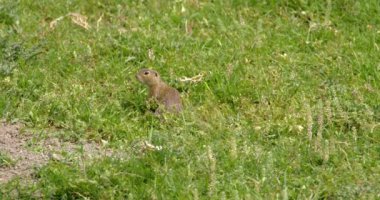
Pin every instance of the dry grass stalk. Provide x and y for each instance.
(194, 79)
(233, 151)
(195, 194)
(326, 151)
(79, 20)
(54, 23)
(194, 3)
(309, 121)
(212, 167)
(98, 22)
(76, 18)
(230, 69)
(320, 124)
(338, 107)
(189, 27)
(236, 195)
(354, 133)
(151, 54)
(328, 112)
(327, 14)
(223, 196)
(145, 146)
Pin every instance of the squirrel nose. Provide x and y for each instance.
(138, 77)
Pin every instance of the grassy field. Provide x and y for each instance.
(288, 106)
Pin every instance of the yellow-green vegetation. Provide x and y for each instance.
(5, 160)
(288, 106)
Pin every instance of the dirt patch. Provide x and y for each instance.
(28, 152)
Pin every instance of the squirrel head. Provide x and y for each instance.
(148, 77)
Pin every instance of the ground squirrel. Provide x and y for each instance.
(167, 97)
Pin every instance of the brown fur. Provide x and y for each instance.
(167, 97)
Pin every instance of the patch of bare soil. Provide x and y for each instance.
(29, 152)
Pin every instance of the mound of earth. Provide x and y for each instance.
(27, 152)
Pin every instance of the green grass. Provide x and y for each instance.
(276, 73)
(5, 160)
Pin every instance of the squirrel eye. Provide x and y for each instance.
(146, 73)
